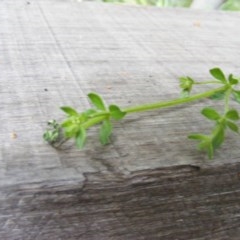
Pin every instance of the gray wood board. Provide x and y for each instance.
(52, 54)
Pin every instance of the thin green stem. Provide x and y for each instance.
(163, 104)
(227, 98)
(208, 82)
(99, 114)
(93, 121)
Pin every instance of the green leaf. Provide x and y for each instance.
(67, 123)
(90, 112)
(218, 74)
(232, 80)
(210, 151)
(218, 96)
(116, 112)
(211, 113)
(198, 137)
(219, 137)
(71, 130)
(232, 126)
(236, 95)
(204, 140)
(81, 138)
(97, 101)
(232, 115)
(205, 143)
(70, 111)
(105, 132)
(208, 147)
(233, 5)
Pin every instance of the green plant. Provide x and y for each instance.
(76, 123)
(231, 5)
(173, 3)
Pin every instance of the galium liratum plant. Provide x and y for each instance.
(76, 124)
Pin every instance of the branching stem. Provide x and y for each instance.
(76, 123)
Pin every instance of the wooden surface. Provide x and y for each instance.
(151, 182)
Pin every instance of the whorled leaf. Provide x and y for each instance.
(68, 122)
(218, 137)
(205, 143)
(71, 130)
(90, 112)
(116, 112)
(211, 113)
(232, 126)
(69, 111)
(232, 114)
(81, 137)
(97, 101)
(105, 132)
(218, 74)
(232, 80)
(236, 95)
(200, 137)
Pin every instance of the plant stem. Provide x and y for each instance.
(93, 121)
(227, 98)
(174, 102)
(208, 82)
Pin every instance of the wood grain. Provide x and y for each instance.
(151, 182)
(181, 202)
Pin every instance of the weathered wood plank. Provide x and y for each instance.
(182, 202)
(150, 183)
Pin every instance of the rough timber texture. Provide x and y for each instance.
(150, 183)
